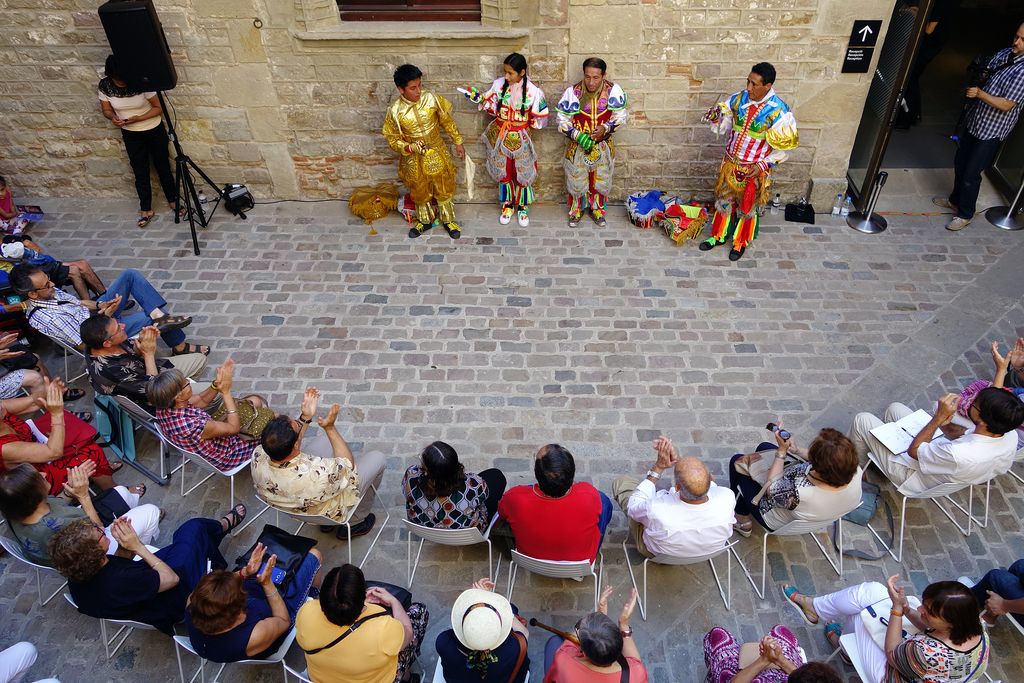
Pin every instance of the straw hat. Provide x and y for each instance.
(481, 619)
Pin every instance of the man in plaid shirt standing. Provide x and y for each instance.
(997, 105)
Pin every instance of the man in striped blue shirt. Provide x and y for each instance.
(996, 108)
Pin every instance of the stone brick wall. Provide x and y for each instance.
(294, 107)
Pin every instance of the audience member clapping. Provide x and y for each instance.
(440, 494)
(153, 590)
(823, 489)
(35, 517)
(694, 517)
(233, 616)
(316, 476)
(947, 641)
(193, 429)
(118, 365)
(556, 518)
(69, 441)
(487, 642)
(776, 658)
(604, 649)
(357, 633)
(1007, 375)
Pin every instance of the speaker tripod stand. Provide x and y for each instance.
(188, 196)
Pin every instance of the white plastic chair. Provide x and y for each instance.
(795, 528)
(127, 626)
(1016, 459)
(14, 548)
(290, 673)
(726, 593)
(848, 643)
(204, 464)
(454, 537)
(184, 643)
(558, 569)
(143, 419)
(933, 494)
(439, 674)
(70, 350)
(304, 519)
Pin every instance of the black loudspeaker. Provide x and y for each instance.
(137, 40)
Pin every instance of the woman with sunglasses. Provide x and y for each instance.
(947, 645)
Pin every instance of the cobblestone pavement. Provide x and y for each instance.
(600, 339)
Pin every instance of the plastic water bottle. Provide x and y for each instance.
(847, 206)
(777, 202)
(202, 197)
(837, 204)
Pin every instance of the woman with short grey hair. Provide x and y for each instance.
(190, 428)
(603, 647)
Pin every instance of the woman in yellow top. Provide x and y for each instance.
(358, 634)
(412, 127)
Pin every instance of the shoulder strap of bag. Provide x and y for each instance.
(521, 639)
(356, 624)
(624, 663)
(886, 545)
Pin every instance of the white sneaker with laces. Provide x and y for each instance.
(524, 218)
(506, 215)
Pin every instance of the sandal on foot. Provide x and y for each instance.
(83, 415)
(139, 490)
(72, 395)
(234, 517)
(169, 323)
(743, 530)
(833, 631)
(116, 466)
(789, 592)
(191, 348)
(144, 221)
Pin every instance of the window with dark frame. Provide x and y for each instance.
(409, 10)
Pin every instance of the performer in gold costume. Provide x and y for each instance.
(412, 127)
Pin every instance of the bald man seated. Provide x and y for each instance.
(694, 517)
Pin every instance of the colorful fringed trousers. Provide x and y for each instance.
(741, 191)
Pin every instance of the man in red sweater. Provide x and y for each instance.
(556, 518)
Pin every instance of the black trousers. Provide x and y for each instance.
(142, 147)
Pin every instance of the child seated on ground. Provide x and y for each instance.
(1000, 380)
(11, 221)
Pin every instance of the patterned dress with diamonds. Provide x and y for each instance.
(588, 174)
(511, 156)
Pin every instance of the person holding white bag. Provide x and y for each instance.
(938, 639)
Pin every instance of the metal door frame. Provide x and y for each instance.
(874, 164)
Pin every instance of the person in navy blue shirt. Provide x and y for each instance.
(487, 642)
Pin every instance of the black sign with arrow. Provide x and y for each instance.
(865, 32)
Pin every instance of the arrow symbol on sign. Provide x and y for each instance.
(865, 32)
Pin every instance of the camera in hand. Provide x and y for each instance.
(977, 75)
(783, 434)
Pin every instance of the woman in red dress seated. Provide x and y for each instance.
(69, 441)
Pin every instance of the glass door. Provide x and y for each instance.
(895, 58)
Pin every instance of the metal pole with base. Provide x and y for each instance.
(1008, 217)
(867, 221)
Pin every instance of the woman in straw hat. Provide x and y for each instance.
(487, 641)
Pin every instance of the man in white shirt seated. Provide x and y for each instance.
(692, 518)
(956, 455)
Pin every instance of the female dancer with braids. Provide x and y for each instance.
(517, 104)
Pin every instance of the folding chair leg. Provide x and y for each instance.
(39, 588)
(410, 565)
(490, 563)
(251, 518)
(123, 632)
(641, 601)
(898, 556)
(726, 594)
(380, 529)
(511, 579)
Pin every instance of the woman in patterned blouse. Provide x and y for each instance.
(439, 493)
(947, 643)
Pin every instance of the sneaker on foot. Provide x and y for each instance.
(958, 223)
(708, 244)
(506, 215)
(943, 202)
(735, 254)
(574, 220)
(453, 230)
(524, 218)
(599, 218)
(418, 229)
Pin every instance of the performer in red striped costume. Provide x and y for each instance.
(761, 131)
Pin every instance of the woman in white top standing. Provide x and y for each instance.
(138, 114)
